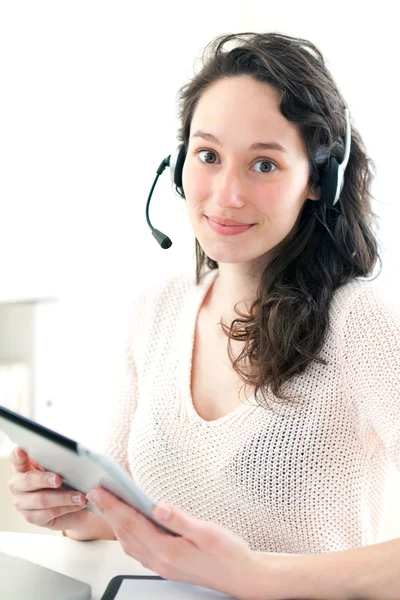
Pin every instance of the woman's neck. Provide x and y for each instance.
(234, 285)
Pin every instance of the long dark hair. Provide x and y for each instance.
(285, 329)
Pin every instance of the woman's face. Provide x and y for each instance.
(246, 172)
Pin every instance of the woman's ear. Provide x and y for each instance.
(314, 192)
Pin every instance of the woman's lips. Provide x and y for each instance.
(227, 229)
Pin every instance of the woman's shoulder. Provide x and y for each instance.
(174, 288)
(176, 284)
(158, 299)
(364, 302)
(367, 291)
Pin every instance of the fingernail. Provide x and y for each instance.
(52, 480)
(163, 513)
(17, 457)
(78, 498)
(92, 497)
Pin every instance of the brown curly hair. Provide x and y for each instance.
(288, 320)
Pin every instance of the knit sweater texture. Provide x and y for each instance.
(307, 477)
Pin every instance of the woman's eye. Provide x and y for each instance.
(207, 156)
(261, 166)
(265, 166)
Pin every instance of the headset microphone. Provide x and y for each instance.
(161, 238)
(175, 164)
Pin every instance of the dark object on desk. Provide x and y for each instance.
(24, 580)
(115, 584)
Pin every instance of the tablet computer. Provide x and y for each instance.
(81, 469)
(149, 587)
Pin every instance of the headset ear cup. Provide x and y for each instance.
(329, 182)
(180, 159)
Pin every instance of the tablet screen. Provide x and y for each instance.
(160, 589)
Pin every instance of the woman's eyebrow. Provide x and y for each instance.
(257, 146)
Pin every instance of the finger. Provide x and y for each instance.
(34, 480)
(125, 521)
(48, 499)
(103, 500)
(22, 462)
(71, 520)
(139, 537)
(197, 531)
(43, 518)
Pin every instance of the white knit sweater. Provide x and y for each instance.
(301, 478)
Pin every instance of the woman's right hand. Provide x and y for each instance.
(40, 499)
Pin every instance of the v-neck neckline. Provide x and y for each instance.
(186, 348)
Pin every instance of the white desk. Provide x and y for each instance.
(94, 563)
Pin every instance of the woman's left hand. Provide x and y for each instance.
(207, 554)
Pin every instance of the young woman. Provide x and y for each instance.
(261, 397)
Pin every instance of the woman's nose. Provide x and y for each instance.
(229, 189)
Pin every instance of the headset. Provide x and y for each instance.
(331, 179)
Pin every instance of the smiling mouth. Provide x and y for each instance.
(228, 222)
(228, 229)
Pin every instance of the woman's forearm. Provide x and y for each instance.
(367, 573)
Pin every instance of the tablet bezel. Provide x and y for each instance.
(115, 583)
(58, 438)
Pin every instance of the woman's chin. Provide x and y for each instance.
(225, 253)
(231, 256)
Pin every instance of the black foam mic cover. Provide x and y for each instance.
(162, 239)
